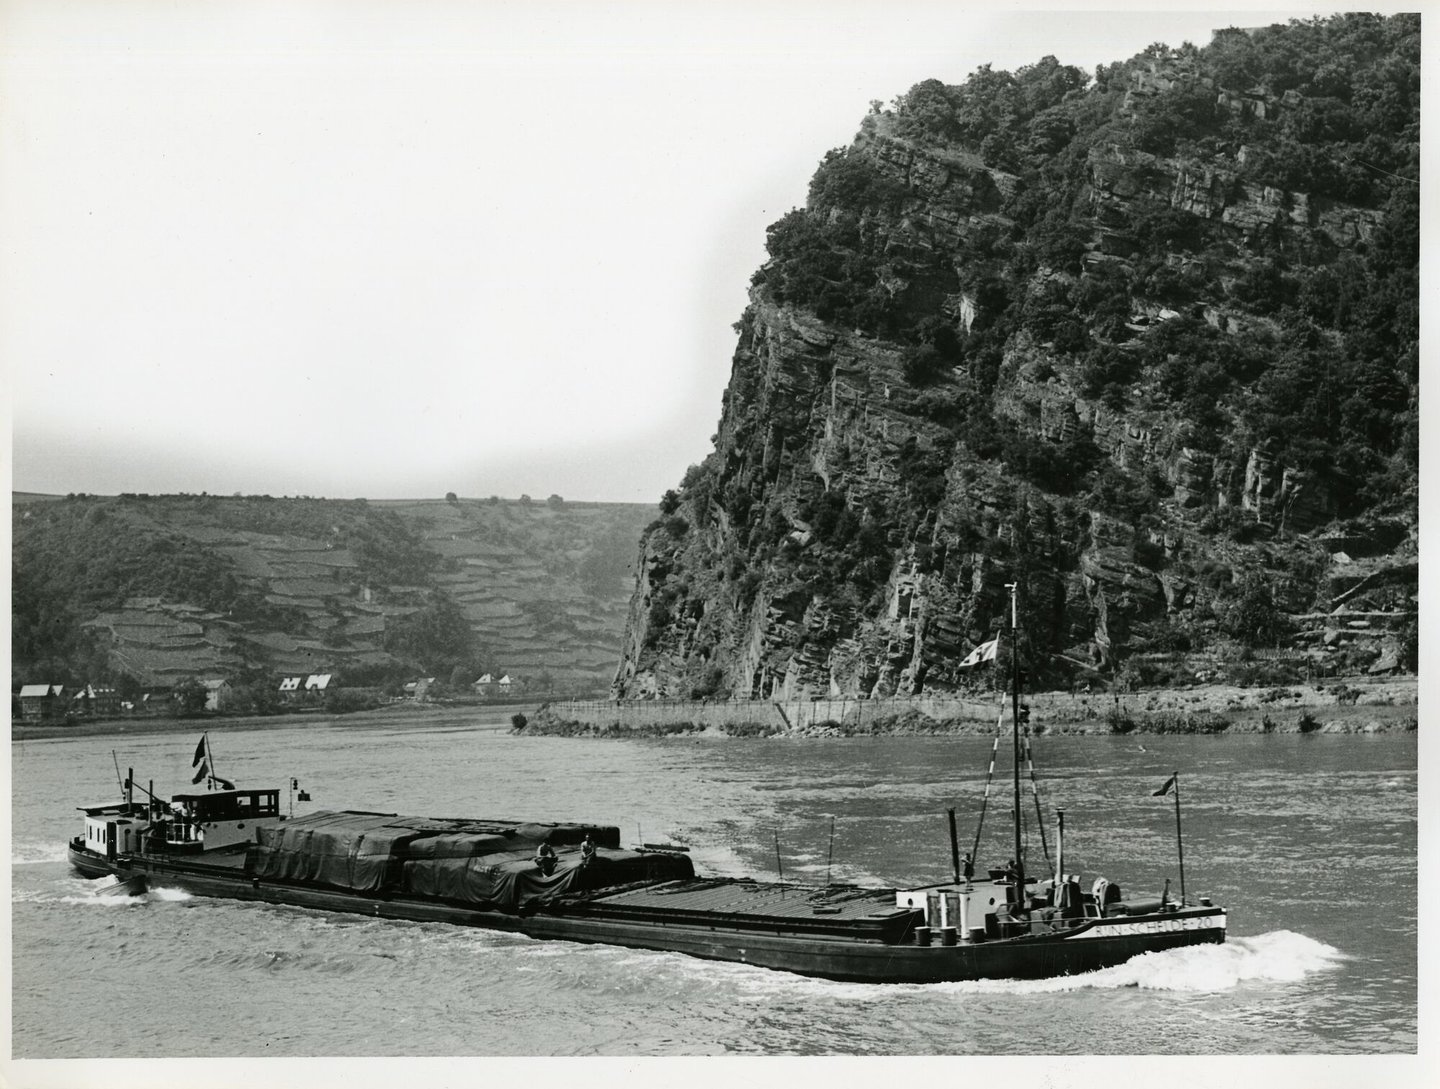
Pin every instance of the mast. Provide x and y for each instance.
(1179, 839)
(1014, 588)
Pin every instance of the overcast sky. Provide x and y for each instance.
(400, 249)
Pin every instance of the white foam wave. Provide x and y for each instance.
(1280, 956)
(103, 892)
(103, 899)
(28, 854)
(721, 861)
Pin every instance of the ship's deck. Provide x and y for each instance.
(729, 896)
(739, 899)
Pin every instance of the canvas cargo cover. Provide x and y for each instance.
(512, 882)
(462, 845)
(364, 851)
(348, 850)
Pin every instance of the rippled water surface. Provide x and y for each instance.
(1310, 841)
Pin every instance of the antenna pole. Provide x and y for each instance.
(954, 846)
(117, 774)
(779, 870)
(1179, 840)
(1039, 810)
(831, 860)
(1014, 588)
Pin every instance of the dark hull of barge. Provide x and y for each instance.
(853, 936)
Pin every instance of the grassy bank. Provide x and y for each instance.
(489, 716)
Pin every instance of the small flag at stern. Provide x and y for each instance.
(1170, 782)
(985, 652)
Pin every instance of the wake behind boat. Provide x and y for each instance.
(573, 881)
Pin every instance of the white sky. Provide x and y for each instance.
(399, 249)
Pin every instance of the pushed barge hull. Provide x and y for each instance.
(480, 873)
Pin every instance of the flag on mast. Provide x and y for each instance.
(203, 772)
(1170, 782)
(199, 751)
(985, 652)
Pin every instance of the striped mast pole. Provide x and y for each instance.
(1014, 587)
(985, 798)
(987, 652)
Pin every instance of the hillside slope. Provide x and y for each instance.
(1145, 343)
(155, 589)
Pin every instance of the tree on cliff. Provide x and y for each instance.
(1118, 339)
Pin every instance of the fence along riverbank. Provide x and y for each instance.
(1361, 700)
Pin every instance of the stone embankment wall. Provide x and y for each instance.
(1360, 698)
(781, 715)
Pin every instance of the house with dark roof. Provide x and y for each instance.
(94, 699)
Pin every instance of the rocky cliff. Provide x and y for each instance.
(1144, 343)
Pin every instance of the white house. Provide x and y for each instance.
(40, 700)
(217, 694)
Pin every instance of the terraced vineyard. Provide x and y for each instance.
(166, 587)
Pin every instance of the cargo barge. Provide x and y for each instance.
(493, 874)
(574, 882)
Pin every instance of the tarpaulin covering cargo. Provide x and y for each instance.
(348, 850)
(364, 851)
(513, 882)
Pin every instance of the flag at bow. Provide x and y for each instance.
(1170, 782)
(985, 652)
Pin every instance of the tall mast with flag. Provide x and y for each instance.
(205, 762)
(1172, 785)
(987, 652)
(1014, 588)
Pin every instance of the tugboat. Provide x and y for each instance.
(572, 881)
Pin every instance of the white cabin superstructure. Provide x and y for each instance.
(221, 818)
(115, 828)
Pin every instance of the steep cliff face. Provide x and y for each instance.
(1090, 338)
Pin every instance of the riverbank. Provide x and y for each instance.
(1349, 706)
(1358, 705)
(489, 716)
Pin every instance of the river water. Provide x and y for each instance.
(1310, 841)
